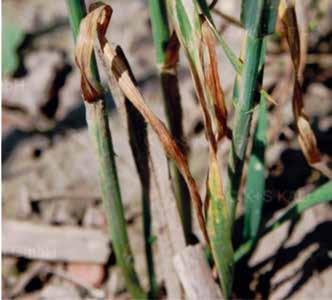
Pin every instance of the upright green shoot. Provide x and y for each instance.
(101, 137)
(259, 18)
(255, 185)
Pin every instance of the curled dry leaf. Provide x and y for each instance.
(307, 140)
(90, 88)
(212, 80)
(95, 24)
(306, 137)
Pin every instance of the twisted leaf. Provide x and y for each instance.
(306, 136)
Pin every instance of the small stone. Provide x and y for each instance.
(91, 274)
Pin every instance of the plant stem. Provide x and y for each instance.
(242, 120)
(255, 185)
(258, 17)
(255, 182)
(172, 103)
(97, 119)
(138, 140)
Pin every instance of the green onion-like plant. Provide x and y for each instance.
(97, 119)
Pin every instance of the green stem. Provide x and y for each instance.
(172, 103)
(99, 130)
(259, 18)
(243, 116)
(160, 29)
(255, 185)
(146, 207)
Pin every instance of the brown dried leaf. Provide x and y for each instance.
(95, 24)
(84, 51)
(307, 140)
(206, 115)
(212, 81)
(306, 137)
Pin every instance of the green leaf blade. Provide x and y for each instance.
(221, 244)
(255, 185)
(161, 34)
(320, 195)
(259, 17)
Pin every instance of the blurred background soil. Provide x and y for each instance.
(54, 240)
